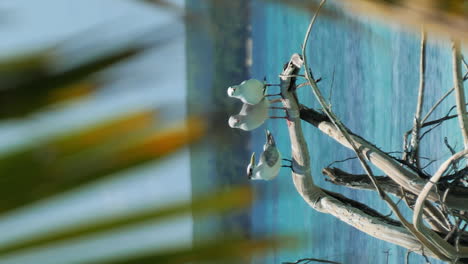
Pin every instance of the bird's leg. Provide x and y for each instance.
(292, 75)
(282, 117)
(276, 107)
(286, 166)
(269, 84)
(291, 163)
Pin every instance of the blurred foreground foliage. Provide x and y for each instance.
(447, 18)
(62, 162)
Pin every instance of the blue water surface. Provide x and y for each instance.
(374, 69)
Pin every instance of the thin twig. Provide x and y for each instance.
(442, 246)
(324, 105)
(444, 96)
(449, 147)
(455, 167)
(340, 161)
(387, 253)
(308, 260)
(414, 154)
(459, 92)
(408, 253)
(331, 88)
(437, 122)
(425, 257)
(437, 104)
(466, 68)
(454, 230)
(337, 123)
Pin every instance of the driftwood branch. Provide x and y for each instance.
(327, 202)
(412, 155)
(425, 240)
(326, 108)
(459, 91)
(432, 214)
(404, 177)
(347, 210)
(443, 246)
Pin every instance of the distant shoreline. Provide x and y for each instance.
(217, 57)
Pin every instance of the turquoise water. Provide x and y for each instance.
(376, 76)
(375, 83)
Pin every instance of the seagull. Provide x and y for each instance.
(270, 161)
(252, 116)
(250, 91)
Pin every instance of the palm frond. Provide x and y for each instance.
(237, 198)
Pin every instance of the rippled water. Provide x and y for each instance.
(376, 76)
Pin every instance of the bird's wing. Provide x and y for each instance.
(271, 156)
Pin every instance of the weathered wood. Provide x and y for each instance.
(459, 91)
(414, 151)
(404, 177)
(435, 218)
(322, 200)
(451, 252)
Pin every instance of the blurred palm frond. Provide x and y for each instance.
(221, 251)
(64, 163)
(236, 198)
(78, 157)
(447, 18)
(28, 83)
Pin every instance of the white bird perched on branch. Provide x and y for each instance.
(270, 161)
(250, 91)
(252, 116)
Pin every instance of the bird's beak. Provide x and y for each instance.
(269, 137)
(252, 160)
(251, 165)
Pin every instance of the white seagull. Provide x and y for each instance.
(252, 116)
(270, 161)
(250, 91)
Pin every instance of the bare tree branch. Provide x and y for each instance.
(340, 127)
(437, 104)
(459, 91)
(414, 153)
(309, 260)
(443, 246)
(410, 183)
(318, 95)
(432, 214)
